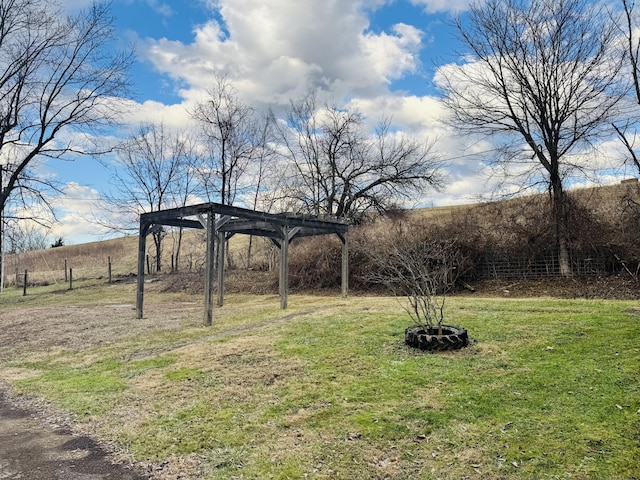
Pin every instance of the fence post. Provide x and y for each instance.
(109, 262)
(66, 277)
(71, 279)
(24, 286)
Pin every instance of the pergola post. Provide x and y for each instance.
(284, 267)
(209, 272)
(142, 249)
(221, 253)
(345, 263)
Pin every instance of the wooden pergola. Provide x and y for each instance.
(221, 223)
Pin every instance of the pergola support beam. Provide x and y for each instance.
(345, 263)
(209, 270)
(142, 250)
(284, 268)
(222, 241)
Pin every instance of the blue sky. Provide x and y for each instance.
(380, 56)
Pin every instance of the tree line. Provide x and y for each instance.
(318, 160)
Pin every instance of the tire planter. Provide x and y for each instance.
(427, 338)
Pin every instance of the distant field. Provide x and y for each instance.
(91, 260)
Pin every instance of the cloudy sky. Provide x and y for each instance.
(378, 55)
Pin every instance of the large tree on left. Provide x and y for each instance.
(59, 82)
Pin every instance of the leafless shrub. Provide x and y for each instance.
(315, 263)
(421, 271)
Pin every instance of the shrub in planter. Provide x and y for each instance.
(422, 272)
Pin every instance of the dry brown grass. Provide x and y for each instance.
(521, 222)
(91, 260)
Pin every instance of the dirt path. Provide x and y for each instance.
(31, 449)
(35, 443)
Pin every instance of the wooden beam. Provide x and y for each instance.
(345, 264)
(142, 250)
(284, 268)
(209, 271)
(328, 225)
(221, 253)
(183, 222)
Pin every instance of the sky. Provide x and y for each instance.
(380, 56)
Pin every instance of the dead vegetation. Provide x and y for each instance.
(509, 240)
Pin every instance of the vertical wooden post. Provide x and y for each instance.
(109, 266)
(209, 272)
(142, 248)
(284, 268)
(70, 278)
(221, 254)
(24, 286)
(66, 275)
(345, 264)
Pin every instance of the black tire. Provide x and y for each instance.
(452, 338)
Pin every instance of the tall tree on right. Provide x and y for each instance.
(540, 78)
(627, 129)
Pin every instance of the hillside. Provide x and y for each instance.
(475, 223)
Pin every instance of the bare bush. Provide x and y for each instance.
(421, 270)
(315, 263)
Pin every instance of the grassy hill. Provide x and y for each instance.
(91, 260)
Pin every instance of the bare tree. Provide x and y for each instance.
(234, 136)
(25, 236)
(542, 73)
(237, 145)
(152, 172)
(57, 81)
(627, 130)
(340, 169)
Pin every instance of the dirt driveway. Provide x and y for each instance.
(32, 448)
(36, 443)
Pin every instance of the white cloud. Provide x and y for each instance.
(277, 50)
(75, 214)
(161, 8)
(172, 116)
(434, 6)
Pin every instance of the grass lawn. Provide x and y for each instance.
(548, 389)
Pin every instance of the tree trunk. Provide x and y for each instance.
(249, 248)
(1, 246)
(2, 204)
(561, 225)
(157, 239)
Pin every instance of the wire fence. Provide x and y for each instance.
(498, 266)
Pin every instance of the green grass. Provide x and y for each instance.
(547, 389)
